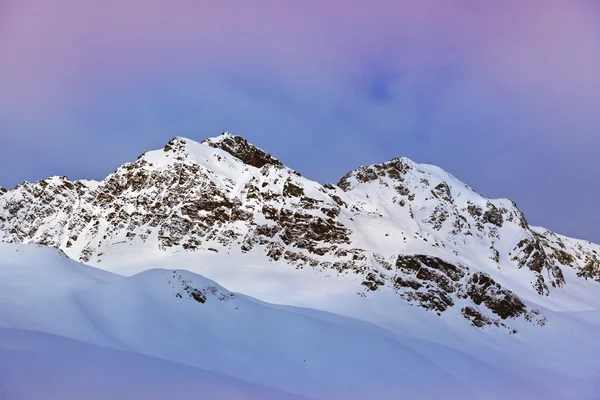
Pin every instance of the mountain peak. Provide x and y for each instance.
(240, 148)
(395, 169)
(177, 144)
(404, 227)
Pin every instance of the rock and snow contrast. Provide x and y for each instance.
(398, 282)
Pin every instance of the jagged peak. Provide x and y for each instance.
(181, 148)
(400, 169)
(424, 183)
(178, 149)
(178, 144)
(52, 180)
(394, 169)
(225, 135)
(240, 148)
(57, 180)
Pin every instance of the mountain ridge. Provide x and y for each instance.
(398, 225)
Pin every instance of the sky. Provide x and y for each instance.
(505, 95)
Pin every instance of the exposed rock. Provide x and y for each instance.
(493, 216)
(394, 169)
(239, 147)
(591, 269)
(434, 282)
(289, 189)
(430, 268)
(201, 294)
(442, 191)
(477, 319)
(481, 288)
(474, 210)
(372, 281)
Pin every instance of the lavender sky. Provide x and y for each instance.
(505, 95)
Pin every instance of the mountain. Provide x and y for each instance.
(398, 281)
(397, 226)
(71, 331)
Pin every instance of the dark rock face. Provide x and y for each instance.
(197, 295)
(531, 254)
(493, 216)
(442, 191)
(240, 148)
(477, 319)
(474, 210)
(373, 282)
(289, 189)
(435, 284)
(431, 269)
(591, 269)
(482, 289)
(520, 217)
(561, 252)
(394, 169)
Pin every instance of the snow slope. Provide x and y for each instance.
(76, 330)
(35, 365)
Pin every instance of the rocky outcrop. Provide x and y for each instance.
(185, 288)
(438, 285)
(564, 252)
(239, 147)
(482, 289)
(591, 269)
(530, 254)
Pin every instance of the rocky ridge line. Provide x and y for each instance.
(225, 193)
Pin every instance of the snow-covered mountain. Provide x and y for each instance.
(398, 276)
(409, 228)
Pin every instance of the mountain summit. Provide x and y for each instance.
(239, 147)
(400, 227)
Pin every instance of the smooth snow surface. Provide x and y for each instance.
(70, 331)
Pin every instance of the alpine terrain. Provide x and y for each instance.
(399, 281)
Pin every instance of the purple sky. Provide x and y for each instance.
(505, 95)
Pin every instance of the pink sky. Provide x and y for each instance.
(48, 47)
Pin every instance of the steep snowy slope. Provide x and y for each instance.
(68, 330)
(402, 228)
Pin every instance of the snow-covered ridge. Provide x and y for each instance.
(398, 227)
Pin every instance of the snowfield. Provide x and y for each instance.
(36, 365)
(70, 331)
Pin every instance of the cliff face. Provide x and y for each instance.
(406, 227)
